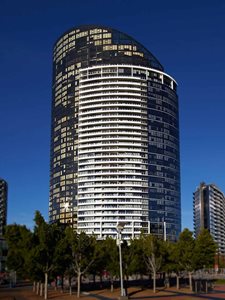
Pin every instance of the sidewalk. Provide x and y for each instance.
(26, 293)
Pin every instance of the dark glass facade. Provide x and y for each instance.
(93, 46)
(209, 213)
(3, 254)
(164, 165)
(3, 204)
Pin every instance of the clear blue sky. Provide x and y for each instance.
(188, 38)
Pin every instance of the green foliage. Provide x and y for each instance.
(34, 266)
(19, 240)
(135, 258)
(43, 255)
(58, 250)
(46, 237)
(108, 257)
(83, 249)
(168, 262)
(152, 252)
(184, 250)
(63, 257)
(204, 251)
(174, 258)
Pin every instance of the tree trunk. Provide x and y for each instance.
(34, 286)
(190, 280)
(125, 284)
(178, 282)
(154, 282)
(46, 285)
(112, 287)
(41, 289)
(37, 287)
(62, 284)
(78, 283)
(70, 286)
(168, 280)
(101, 281)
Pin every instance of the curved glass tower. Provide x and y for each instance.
(115, 137)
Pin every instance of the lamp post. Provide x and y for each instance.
(164, 231)
(119, 229)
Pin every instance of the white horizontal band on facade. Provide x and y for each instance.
(128, 66)
(109, 101)
(106, 84)
(111, 108)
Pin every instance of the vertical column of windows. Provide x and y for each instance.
(164, 169)
(63, 165)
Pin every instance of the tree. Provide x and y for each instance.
(184, 252)
(135, 258)
(205, 250)
(46, 237)
(152, 255)
(107, 259)
(35, 269)
(168, 265)
(19, 240)
(112, 259)
(174, 258)
(83, 253)
(63, 258)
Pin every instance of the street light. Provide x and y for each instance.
(119, 229)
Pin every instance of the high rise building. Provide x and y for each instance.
(209, 213)
(115, 136)
(3, 221)
(3, 204)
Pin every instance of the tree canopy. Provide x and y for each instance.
(52, 250)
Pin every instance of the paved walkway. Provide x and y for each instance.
(26, 293)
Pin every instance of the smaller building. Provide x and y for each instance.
(209, 213)
(3, 255)
(3, 204)
(3, 222)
